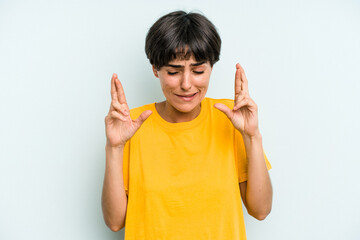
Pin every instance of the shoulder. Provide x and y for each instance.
(215, 114)
(135, 112)
(227, 102)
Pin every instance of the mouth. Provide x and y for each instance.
(187, 97)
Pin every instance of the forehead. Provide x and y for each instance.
(190, 61)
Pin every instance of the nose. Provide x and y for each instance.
(185, 82)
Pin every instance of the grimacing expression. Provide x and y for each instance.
(184, 82)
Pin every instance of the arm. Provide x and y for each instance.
(256, 192)
(114, 199)
(119, 129)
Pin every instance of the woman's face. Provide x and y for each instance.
(184, 83)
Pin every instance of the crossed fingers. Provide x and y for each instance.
(242, 97)
(118, 108)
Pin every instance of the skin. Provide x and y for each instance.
(256, 192)
(184, 84)
(178, 79)
(119, 129)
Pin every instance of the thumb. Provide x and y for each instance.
(225, 109)
(141, 119)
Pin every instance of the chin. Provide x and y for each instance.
(185, 105)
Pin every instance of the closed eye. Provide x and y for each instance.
(172, 73)
(198, 72)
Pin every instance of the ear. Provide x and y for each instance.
(155, 71)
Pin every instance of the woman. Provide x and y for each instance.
(178, 170)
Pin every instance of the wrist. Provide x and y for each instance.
(253, 137)
(114, 155)
(119, 147)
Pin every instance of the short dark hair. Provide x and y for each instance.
(179, 35)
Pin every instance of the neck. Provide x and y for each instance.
(172, 115)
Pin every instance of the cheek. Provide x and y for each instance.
(203, 81)
(168, 83)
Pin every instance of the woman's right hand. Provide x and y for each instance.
(118, 123)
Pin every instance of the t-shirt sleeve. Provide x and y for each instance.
(240, 158)
(126, 157)
(134, 113)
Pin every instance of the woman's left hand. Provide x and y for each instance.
(244, 115)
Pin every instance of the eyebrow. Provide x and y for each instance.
(181, 66)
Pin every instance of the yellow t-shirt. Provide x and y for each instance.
(182, 179)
